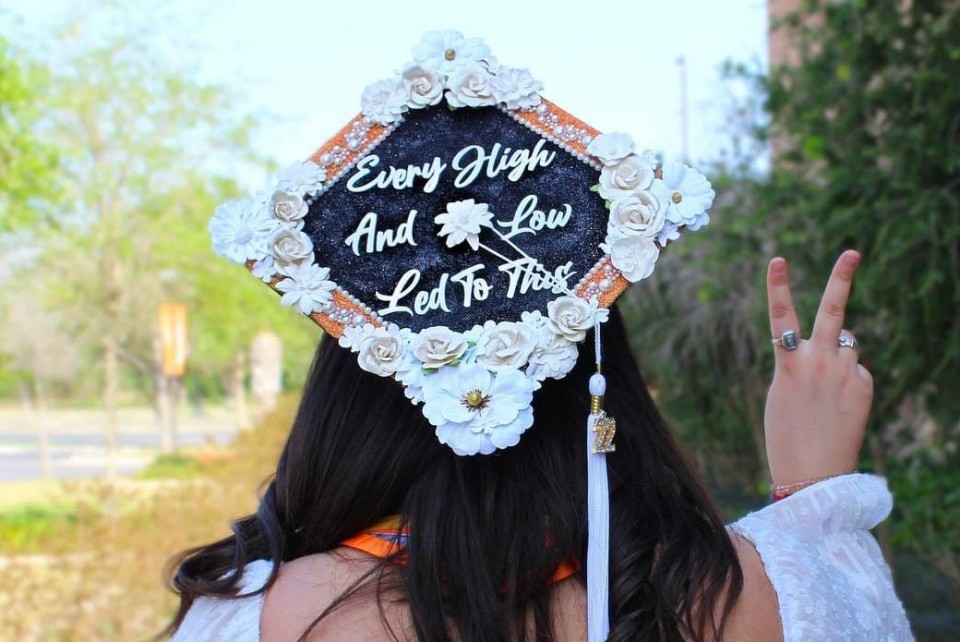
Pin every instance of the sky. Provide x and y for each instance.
(302, 66)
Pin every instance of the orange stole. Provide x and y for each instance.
(369, 543)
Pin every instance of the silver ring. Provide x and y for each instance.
(788, 340)
(848, 342)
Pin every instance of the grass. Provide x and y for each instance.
(87, 558)
(15, 495)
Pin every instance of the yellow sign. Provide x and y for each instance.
(174, 346)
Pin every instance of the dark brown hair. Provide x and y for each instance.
(498, 525)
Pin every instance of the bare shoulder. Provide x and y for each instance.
(756, 614)
(305, 588)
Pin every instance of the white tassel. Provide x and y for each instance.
(600, 430)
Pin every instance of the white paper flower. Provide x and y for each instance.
(516, 88)
(264, 269)
(411, 375)
(507, 345)
(448, 51)
(353, 336)
(702, 220)
(610, 149)
(438, 346)
(462, 222)
(470, 86)
(307, 288)
(634, 255)
(288, 208)
(477, 411)
(684, 192)
(554, 356)
(423, 86)
(381, 351)
(572, 316)
(670, 232)
(632, 174)
(240, 230)
(303, 179)
(639, 213)
(534, 319)
(384, 101)
(289, 246)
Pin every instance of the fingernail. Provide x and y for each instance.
(779, 266)
(851, 260)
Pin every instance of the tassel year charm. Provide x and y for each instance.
(604, 426)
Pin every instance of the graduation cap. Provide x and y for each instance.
(461, 235)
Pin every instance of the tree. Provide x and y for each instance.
(26, 166)
(146, 153)
(866, 120)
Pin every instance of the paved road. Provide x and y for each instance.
(78, 444)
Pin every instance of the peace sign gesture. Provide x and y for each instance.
(820, 398)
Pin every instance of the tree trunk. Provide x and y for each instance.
(110, 387)
(162, 401)
(42, 436)
(237, 377)
(176, 402)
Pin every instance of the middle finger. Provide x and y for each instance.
(833, 305)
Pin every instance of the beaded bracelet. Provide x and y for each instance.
(781, 491)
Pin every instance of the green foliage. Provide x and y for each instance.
(871, 126)
(22, 527)
(144, 153)
(26, 166)
(173, 466)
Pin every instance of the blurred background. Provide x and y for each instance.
(146, 385)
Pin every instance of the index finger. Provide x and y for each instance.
(833, 305)
(783, 316)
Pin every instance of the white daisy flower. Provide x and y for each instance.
(302, 179)
(241, 229)
(448, 51)
(307, 288)
(684, 192)
(462, 222)
(477, 411)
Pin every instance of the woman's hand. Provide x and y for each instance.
(820, 399)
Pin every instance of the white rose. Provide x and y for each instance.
(611, 148)
(572, 316)
(381, 352)
(424, 87)
(633, 255)
(508, 345)
(553, 357)
(290, 246)
(438, 346)
(470, 86)
(637, 214)
(384, 101)
(630, 175)
(288, 208)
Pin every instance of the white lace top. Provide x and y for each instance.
(826, 568)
